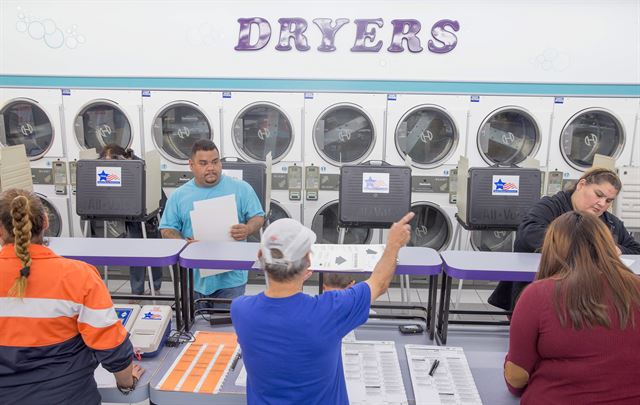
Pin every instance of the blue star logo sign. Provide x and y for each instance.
(103, 176)
(148, 315)
(499, 184)
(370, 182)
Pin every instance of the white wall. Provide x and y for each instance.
(593, 42)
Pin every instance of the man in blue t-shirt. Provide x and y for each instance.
(291, 342)
(209, 182)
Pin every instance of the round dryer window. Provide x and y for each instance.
(344, 134)
(507, 137)
(101, 123)
(492, 241)
(276, 212)
(260, 129)
(325, 226)
(55, 219)
(25, 123)
(428, 135)
(176, 128)
(588, 133)
(431, 226)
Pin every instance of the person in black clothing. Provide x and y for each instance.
(593, 193)
(134, 229)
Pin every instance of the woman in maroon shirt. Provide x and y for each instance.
(575, 332)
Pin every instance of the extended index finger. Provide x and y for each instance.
(407, 218)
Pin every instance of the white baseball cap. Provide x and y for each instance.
(290, 237)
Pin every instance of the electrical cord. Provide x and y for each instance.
(177, 337)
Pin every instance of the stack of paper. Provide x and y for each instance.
(451, 383)
(212, 220)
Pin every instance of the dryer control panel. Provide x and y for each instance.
(312, 183)
(294, 180)
(59, 169)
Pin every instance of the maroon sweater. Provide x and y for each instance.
(591, 366)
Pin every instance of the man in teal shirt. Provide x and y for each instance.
(209, 182)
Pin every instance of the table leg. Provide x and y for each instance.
(443, 316)
(431, 308)
(184, 286)
(320, 282)
(192, 304)
(177, 292)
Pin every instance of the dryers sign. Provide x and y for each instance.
(255, 33)
(108, 176)
(506, 185)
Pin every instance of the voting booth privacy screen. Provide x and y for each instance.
(499, 197)
(373, 196)
(111, 189)
(252, 173)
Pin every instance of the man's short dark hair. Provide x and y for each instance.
(203, 144)
(337, 280)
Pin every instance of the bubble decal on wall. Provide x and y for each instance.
(48, 31)
(204, 34)
(552, 60)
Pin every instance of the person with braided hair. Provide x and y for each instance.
(57, 319)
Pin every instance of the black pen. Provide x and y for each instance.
(235, 361)
(435, 365)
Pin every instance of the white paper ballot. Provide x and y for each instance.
(349, 258)
(241, 381)
(627, 262)
(212, 220)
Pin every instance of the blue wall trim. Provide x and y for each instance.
(368, 86)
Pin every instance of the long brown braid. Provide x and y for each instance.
(23, 213)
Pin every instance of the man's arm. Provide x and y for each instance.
(627, 244)
(399, 235)
(169, 233)
(242, 231)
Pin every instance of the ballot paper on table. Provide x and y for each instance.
(350, 258)
(212, 220)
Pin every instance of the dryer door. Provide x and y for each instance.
(276, 212)
(325, 226)
(590, 132)
(260, 129)
(431, 227)
(344, 134)
(23, 122)
(492, 241)
(55, 219)
(428, 135)
(176, 128)
(508, 136)
(101, 123)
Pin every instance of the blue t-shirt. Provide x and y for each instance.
(291, 346)
(176, 216)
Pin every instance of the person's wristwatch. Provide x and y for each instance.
(127, 390)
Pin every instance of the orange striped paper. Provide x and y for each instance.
(203, 364)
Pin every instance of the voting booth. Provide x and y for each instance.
(117, 189)
(253, 173)
(373, 195)
(496, 197)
